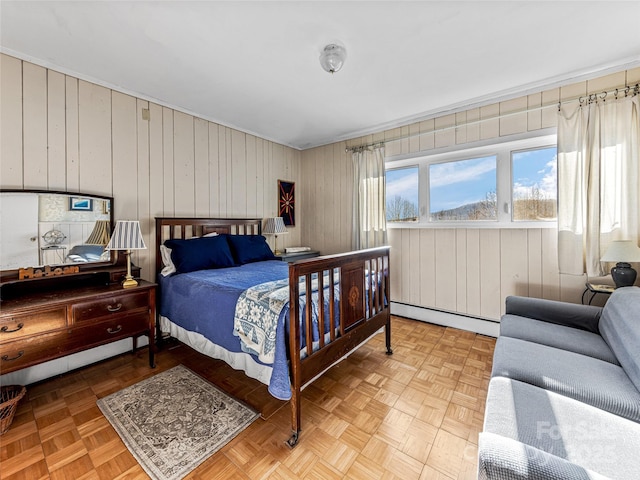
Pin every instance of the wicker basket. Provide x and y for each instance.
(9, 398)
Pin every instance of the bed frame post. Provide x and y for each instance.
(387, 333)
(294, 346)
(387, 294)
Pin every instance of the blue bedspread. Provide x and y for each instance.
(205, 302)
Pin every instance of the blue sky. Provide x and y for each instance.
(403, 182)
(535, 168)
(454, 184)
(460, 182)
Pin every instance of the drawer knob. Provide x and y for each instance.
(114, 330)
(7, 359)
(5, 329)
(114, 308)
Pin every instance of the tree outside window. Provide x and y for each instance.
(402, 195)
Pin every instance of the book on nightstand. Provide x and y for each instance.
(297, 249)
(601, 288)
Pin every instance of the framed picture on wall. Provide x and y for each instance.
(80, 203)
(287, 202)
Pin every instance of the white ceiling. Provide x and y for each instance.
(254, 65)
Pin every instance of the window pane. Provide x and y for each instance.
(463, 190)
(535, 191)
(402, 195)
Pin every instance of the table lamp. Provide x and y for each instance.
(275, 226)
(127, 236)
(622, 252)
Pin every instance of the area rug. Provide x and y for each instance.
(175, 420)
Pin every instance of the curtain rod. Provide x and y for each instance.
(593, 97)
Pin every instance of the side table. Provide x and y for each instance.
(293, 257)
(53, 254)
(595, 289)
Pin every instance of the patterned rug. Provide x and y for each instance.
(175, 420)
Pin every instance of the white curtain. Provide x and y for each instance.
(598, 182)
(369, 212)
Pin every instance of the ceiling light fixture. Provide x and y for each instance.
(332, 57)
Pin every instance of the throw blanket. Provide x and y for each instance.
(259, 309)
(256, 317)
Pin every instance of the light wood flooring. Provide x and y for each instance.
(413, 415)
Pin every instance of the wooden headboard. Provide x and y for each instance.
(171, 227)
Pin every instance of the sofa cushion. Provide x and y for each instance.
(505, 459)
(558, 336)
(620, 328)
(586, 436)
(583, 378)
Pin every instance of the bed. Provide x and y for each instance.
(253, 311)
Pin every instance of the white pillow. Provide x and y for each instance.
(165, 253)
(169, 267)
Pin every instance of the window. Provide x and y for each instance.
(535, 186)
(463, 190)
(402, 195)
(486, 184)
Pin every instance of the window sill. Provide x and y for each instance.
(479, 225)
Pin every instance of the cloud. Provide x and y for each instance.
(449, 173)
(546, 183)
(405, 186)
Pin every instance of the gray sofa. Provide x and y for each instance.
(564, 395)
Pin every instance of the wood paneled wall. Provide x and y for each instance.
(61, 133)
(460, 270)
(471, 270)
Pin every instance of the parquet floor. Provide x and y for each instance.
(413, 415)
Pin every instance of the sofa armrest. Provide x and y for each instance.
(584, 317)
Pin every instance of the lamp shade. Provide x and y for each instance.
(101, 233)
(622, 251)
(274, 226)
(126, 236)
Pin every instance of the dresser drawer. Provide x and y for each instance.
(21, 325)
(32, 350)
(106, 331)
(105, 307)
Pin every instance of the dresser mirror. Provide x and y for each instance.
(41, 228)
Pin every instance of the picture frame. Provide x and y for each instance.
(286, 202)
(80, 204)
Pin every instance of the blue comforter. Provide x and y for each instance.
(205, 301)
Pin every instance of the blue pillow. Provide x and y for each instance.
(200, 253)
(250, 248)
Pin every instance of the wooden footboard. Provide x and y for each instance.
(361, 309)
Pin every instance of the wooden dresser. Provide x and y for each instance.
(41, 322)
